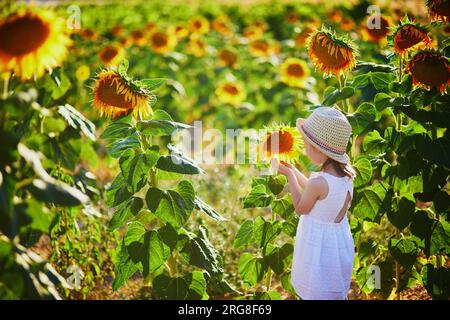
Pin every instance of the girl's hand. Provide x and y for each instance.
(282, 167)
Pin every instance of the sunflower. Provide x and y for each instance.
(227, 58)
(253, 32)
(261, 48)
(116, 30)
(88, 34)
(347, 24)
(330, 54)
(111, 55)
(115, 94)
(335, 16)
(138, 37)
(125, 42)
(198, 25)
(231, 92)
(281, 141)
(410, 37)
(301, 38)
(291, 17)
(439, 9)
(377, 34)
(162, 42)
(221, 25)
(150, 26)
(196, 46)
(179, 31)
(294, 72)
(429, 69)
(82, 73)
(32, 42)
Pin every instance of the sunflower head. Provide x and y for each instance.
(347, 24)
(88, 34)
(439, 10)
(111, 55)
(196, 46)
(179, 31)
(375, 32)
(162, 42)
(227, 58)
(231, 92)
(429, 69)
(32, 43)
(116, 30)
(116, 94)
(283, 142)
(198, 25)
(294, 72)
(221, 25)
(150, 26)
(138, 37)
(262, 48)
(253, 32)
(331, 54)
(301, 37)
(409, 36)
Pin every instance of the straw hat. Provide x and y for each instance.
(329, 131)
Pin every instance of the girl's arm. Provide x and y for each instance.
(303, 202)
(301, 178)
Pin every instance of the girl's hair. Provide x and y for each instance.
(342, 169)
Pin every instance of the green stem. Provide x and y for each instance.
(6, 86)
(172, 265)
(268, 279)
(345, 104)
(401, 69)
(24, 183)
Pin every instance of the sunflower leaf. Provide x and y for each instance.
(152, 84)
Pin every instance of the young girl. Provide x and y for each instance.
(324, 250)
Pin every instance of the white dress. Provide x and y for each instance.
(324, 250)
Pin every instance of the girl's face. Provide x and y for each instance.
(315, 155)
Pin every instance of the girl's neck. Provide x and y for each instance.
(330, 170)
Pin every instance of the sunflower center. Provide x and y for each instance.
(441, 8)
(430, 71)
(380, 32)
(295, 70)
(137, 34)
(159, 39)
(409, 36)
(108, 93)
(284, 139)
(109, 53)
(261, 46)
(197, 24)
(228, 57)
(329, 54)
(230, 89)
(23, 35)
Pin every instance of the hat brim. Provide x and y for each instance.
(342, 158)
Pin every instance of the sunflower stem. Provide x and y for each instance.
(345, 105)
(6, 86)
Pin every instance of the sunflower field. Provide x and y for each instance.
(98, 200)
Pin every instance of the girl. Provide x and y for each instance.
(324, 249)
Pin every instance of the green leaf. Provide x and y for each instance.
(437, 151)
(161, 115)
(202, 253)
(441, 201)
(251, 269)
(437, 281)
(370, 202)
(117, 148)
(283, 207)
(123, 68)
(277, 257)
(152, 84)
(338, 95)
(197, 285)
(202, 206)
(119, 129)
(440, 239)
(362, 118)
(78, 121)
(125, 212)
(168, 235)
(381, 80)
(264, 232)
(276, 183)
(258, 198)
(402, 214)
(124, 267)
(135, 167)
(167, 288)
(361, 81)
(66, 148)
(57, 193)
(245, 234)
(160, 127)
(172, 206)
(381, 100)
(178, 163)
(404, 251)
(146, 249)
(364, 172)
(57, 83)
(421, 225)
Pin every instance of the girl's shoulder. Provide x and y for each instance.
(319, 184)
